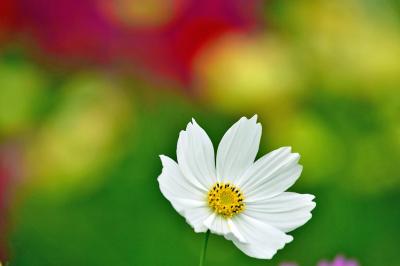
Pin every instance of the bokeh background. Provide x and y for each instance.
(92, 91)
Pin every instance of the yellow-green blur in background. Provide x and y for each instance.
(79, 142)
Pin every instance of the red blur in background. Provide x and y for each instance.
(157, 37)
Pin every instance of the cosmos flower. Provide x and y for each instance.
(233, 196)
(339, 261)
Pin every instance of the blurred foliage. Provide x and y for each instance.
(322, 75)
(82, 135)
(22, 87)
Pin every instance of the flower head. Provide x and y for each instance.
(233, 196)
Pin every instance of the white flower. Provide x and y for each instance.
(243, 200)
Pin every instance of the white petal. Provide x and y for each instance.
(220, 225)
(238, 149)
(187, 199)
(286, 211)
(217, 224)
(196, 217)
(175, 183)
(258, 251)
(236, 234)
(270, 175)
(195, 155)
(262, 240)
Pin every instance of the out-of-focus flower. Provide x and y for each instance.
(159, 36)
(8, 19)
(339, 261)
(242, 72)
(81, 137)
(243, 200)
(353, 48)
(141, 14)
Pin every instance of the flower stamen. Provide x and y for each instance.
(225, 199)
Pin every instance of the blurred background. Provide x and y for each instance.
(92, 91)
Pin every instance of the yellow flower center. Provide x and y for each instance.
(225, 199)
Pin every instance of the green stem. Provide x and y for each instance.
(203, 251)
